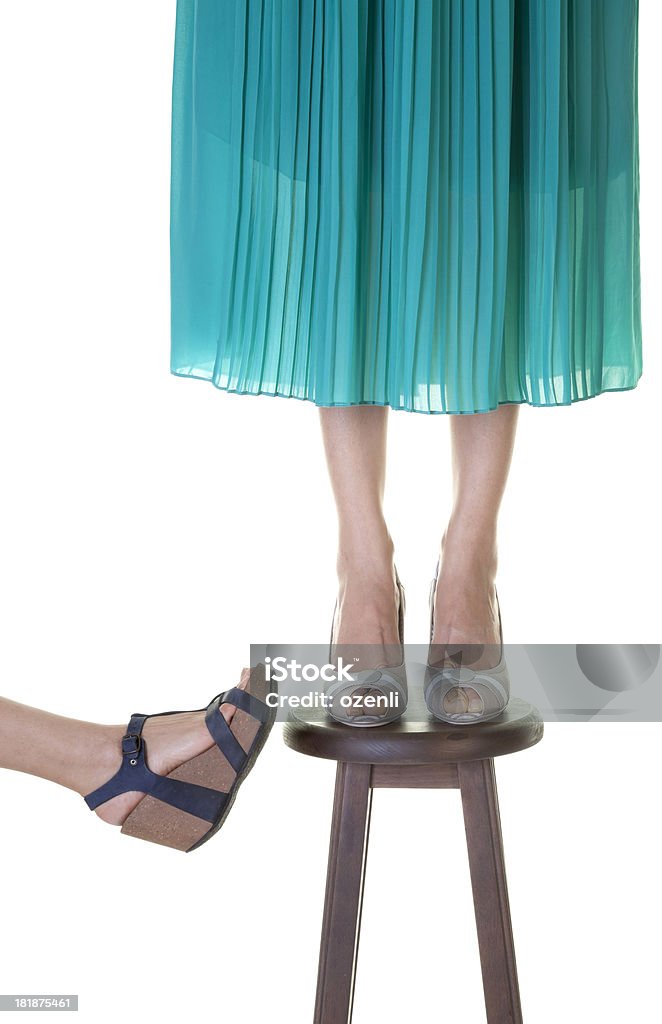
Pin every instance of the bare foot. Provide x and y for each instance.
(169, 741)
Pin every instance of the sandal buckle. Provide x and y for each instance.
(131, 743)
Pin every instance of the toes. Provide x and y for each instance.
(462, 700)
(455, 702)
(475, 701)
(362, 707)
(228, 710)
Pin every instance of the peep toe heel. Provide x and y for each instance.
(371, 696)
(457, 693)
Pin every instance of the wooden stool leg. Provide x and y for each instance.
(344, 892)
(490, 893)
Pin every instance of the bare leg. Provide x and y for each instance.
(465, 604)
(355, 445)
(82, 755)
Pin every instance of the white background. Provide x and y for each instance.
(153, 527)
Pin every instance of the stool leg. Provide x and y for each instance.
(490, 892)
(344, 893)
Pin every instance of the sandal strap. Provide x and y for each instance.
(134, 774)
(190, 797)
(245, 701)
(223, 736)
(132, 739)
(222, 733)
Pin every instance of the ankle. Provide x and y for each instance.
(99, 753)
(469, 548)
(368, 555)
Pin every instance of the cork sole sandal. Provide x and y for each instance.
(186, 807)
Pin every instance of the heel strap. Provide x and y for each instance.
(132, 739)
(135, 775)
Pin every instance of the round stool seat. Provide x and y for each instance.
(416, 738)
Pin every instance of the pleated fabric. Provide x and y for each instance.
(426, 204)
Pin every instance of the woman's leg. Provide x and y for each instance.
(82, 755)
(465, 603)
(355, 445)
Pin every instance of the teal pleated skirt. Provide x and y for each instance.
(431, 205)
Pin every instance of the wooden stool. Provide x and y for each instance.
(415, 752)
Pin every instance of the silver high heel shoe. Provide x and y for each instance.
(458, 694)
(372, 696)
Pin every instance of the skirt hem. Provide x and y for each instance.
(402, 407)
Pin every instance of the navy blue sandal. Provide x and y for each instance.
(189, 805)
